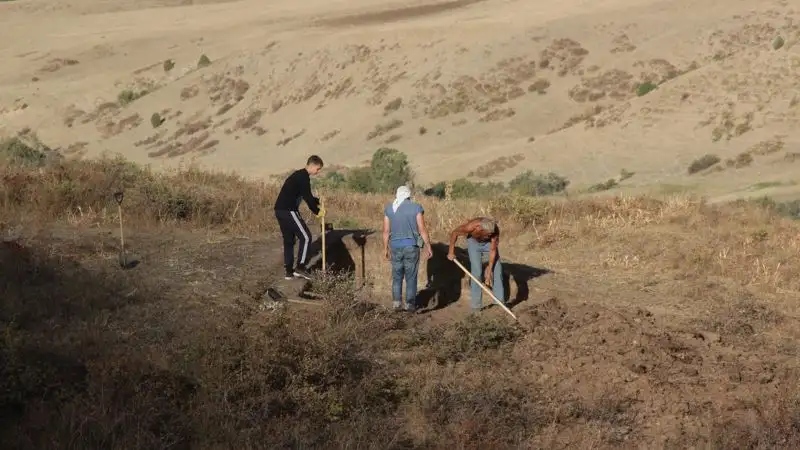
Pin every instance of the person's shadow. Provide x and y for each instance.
(337, 256)
(444, 279)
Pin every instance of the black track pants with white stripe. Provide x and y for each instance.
(292, 226)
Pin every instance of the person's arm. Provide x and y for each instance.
(424, 232)
(386, 229)
(305, 191)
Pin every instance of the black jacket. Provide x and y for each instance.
(297, 187)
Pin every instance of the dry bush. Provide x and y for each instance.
(743, 159)
(499, 85)
(57, 63)
(585, 117)
(192, 127)
(767, 147)
(727, 126)
(191, 197)
(614, 83)
(248, 121)
(565, 56)
(539, 86)
(497, 166)
(622, 44)
(660, 71)
(382, 129)
(498, 114)
(189, 92)
(703, 163)
(392, 106)
(329, 135)
(226, 90)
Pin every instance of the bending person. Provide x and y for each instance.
(483, 236)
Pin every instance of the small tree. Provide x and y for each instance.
(389, 169)
(331, 180)
(360, 180)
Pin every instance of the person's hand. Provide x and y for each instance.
(451, 256)
(428, 252)
(487, 277)
(386, 254)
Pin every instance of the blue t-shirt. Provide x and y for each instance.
(403, 223)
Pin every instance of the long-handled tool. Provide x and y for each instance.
(485, 289)
(123, 257)
(324, 247)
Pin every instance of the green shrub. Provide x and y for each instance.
(360, 180)
(645, 88)
(528, 183)
(437, 190)
(331, 180)
(128, 96)
(464, 188)
(156, 120)
(389, 169)
(17, 151)
(203, 62)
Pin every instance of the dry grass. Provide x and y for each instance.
(657, 308)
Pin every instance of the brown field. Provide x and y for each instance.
(642, 323)
(642, 163)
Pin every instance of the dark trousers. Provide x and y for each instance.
(292, 226)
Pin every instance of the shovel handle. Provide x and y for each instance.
(485, 289)
(324, 252)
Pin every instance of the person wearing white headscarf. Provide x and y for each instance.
(404, 235)
(403, 193)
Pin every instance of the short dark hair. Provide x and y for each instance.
(314, 160)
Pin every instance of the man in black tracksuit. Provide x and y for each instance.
(296, 188)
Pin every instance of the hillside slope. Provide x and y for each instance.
(455, 85)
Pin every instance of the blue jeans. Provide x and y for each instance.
(405, 265)
(476, 250)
